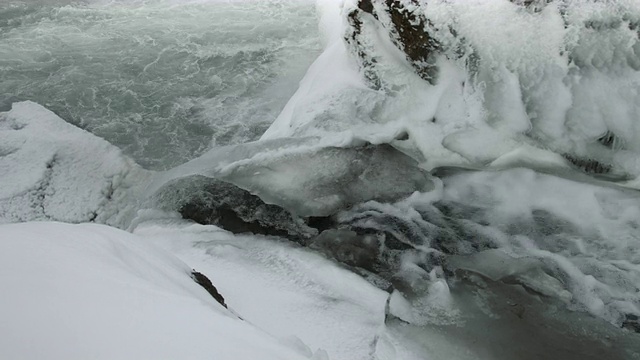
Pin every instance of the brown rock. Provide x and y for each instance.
(408, 30)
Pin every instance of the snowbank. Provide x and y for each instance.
(94, 292)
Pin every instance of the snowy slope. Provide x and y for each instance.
(94, 292)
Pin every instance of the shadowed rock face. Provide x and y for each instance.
(348, 247)
(211, 201)
(407, 29)
(353, 38)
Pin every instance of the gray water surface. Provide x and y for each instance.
(164, 80)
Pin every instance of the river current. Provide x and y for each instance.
(164, 80)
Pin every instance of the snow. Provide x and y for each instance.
(95, 292)
(281, 288)
(52, 170)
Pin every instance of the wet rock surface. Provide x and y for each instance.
(411, 34)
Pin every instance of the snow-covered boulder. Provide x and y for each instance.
(52, 170)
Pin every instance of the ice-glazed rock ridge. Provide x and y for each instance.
(550, 85)
(55, 171)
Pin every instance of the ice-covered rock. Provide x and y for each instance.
(211, 201)
(327, 180)
(519, 83)
(406, 26)
(308, 178)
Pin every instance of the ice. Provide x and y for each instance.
(498, 265)
(321, 183)
(90, 291)
(307, 177)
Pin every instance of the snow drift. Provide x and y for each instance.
(90, 291)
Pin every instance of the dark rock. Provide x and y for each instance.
(611, 141)
(631, 323)
(204, 281)
(589, 166)
(608, 139)
(409, 31)
(366, 6)
(211, 201)
(353, 38)
(321, 223)
(411, 34)
(535, 5)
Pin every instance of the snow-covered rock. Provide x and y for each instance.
(52, 170)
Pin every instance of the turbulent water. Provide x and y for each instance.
(164, 80)
(490, 184)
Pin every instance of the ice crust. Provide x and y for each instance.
(564, 240)
(570, 242)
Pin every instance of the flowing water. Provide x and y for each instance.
(164, 80)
